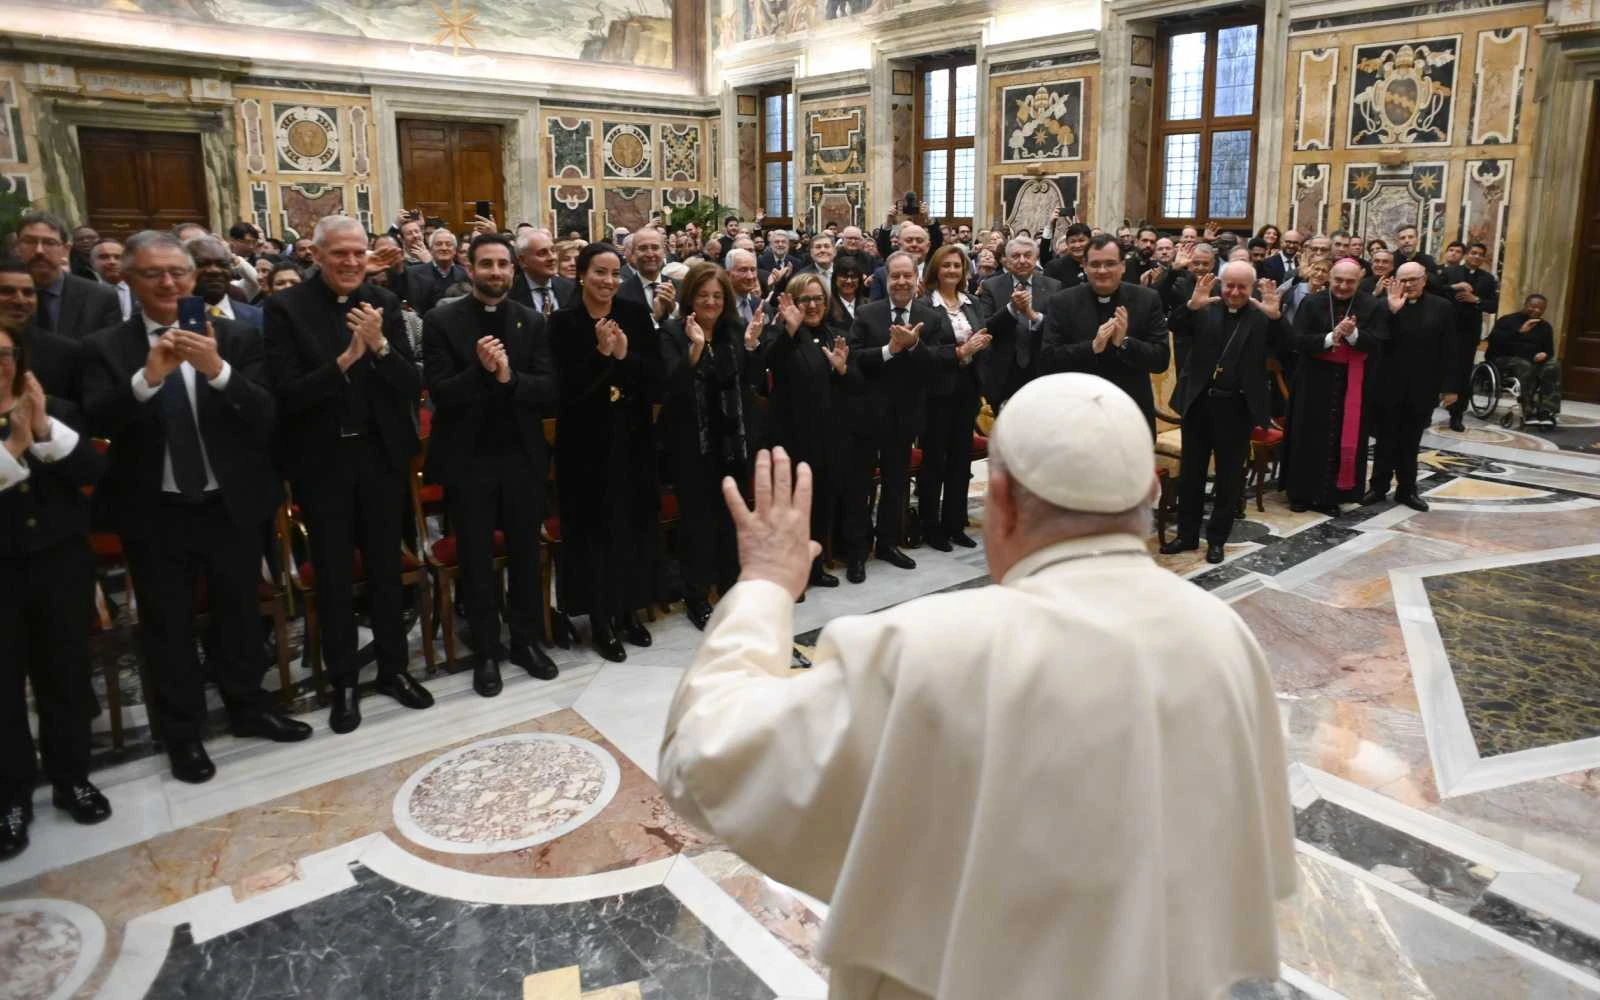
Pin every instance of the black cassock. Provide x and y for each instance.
(1319, 441)
(606, 484)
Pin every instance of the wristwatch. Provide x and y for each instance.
(383, 352)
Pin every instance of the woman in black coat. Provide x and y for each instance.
(808, 361)
(711, 365)
(953, 403)
(609, 370)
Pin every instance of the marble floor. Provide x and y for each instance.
(1438, 682)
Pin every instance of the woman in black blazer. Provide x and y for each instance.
(953, 404)
(848, 292)
(711, 365)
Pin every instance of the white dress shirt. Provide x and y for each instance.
(62, 440)
(125, 298)
(887, 354)
(144, 393)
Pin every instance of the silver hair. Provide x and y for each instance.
(1021, 241)
(740, 250)
(1205, 248)
(38, 218)
(889, 260)
(525, 236)
(154, 239)
(433, 236)
(330, 225)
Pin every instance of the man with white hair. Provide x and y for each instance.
(537, 285)
(647, 255)
(427, 283)
(746, 278)
(888, 779)
(1227, 340)
(777, 255)
(1013, 300)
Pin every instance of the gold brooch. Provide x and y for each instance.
(616, 394)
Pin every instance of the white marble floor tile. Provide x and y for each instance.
(627, 703)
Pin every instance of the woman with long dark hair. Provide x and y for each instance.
(710, 359)
(953, 401)
(848, 278)
(608, 366)
(1274, 238)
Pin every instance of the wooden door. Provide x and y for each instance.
(1580, 353)
(142, 180)
(447, 167)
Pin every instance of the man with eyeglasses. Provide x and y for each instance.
(1284, 266)
(189, 486)
(1013, 303)
(71, 306)
(537, 285)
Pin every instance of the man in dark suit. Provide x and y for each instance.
(189, 485)
(896, 344)
(46, 581)
(823, 252)
(914, 240)
(426, 284)
(778, 253)
(489, 373)
(1418, 365)
(213, 275)
(1012, 303)
(1476, 294)
(647, 255)
(1224, 395)
(347, 388)
(536, 284)
(1284, 265)
(71, 306)
(1067, 267)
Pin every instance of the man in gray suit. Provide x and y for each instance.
(1012, 303)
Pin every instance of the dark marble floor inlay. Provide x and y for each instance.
(380, 940)
(1410, 862)
(1540, 931)
(1521, 642)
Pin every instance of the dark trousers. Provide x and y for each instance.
(1466, 358)
(708, 552)
(45, 603)
(503, 491)
(356, 505)
(947, 460)
(1399, 431)
(886, 449)
(193, 546)
(1215, 427)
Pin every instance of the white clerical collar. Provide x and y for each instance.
(1102, 299)
(489, 309)
(1232, 310)
(342, 299)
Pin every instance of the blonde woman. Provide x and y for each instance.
(953, 401)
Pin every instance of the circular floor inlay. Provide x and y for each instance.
(506, 793)
(48, 947)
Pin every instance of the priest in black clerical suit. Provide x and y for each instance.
(1223, 395)
(1011, 360)
(347, 387)
(891, 375)
(1338, 336)
(1476, 294)
(1074, 318)
(489, 373)
(1418, 367)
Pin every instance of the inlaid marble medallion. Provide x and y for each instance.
(506, 793)
(47, 948)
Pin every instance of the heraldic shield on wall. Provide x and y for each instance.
(1403, 94)
(1043, 122)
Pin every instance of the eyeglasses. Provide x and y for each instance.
(157, 273)
(809, 300)
(46, 242)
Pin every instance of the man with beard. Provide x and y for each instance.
(1284, 265)
(213, 274)
(1418, 365)
(489, 373)
(1143, 258)
(1476, 294)
(71, 306)
(303, 255)
(1013, 300)
(1107, 327)
(1337, 333)
(537, 285)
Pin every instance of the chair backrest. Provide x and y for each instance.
(1163, 385)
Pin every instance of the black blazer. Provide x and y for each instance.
(947, 378)
(1206, 334)
(632, 288)
(522, 290)
(1066, 271)
(1419, 357)
(994, 294)
(461, 389)
(57, 362)
(424, 286)
(86, 307)
(53, 508)
(236, 427)
(897, 390)
(305, 334)
(1071, 323)
(997, 365)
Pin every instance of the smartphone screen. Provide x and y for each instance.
(192, 313)
(483, 208)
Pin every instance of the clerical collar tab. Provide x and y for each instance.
(342, 299)
(490, 309)
(1102, 299)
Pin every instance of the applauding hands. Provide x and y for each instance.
(492, 355)
(609, 339)
(1113, 331)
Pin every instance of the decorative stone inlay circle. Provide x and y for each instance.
(506, 793)
(48, 948)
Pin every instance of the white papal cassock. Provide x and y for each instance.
(1069, 785)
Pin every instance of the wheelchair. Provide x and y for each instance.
(1489, 388)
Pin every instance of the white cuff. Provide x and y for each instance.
(1327, 342)
(12, 471)
(221, 381)
(887, 354)
(1352, 338)
(62, 440)
(143, 391)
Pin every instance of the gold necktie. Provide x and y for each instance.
(215, 310)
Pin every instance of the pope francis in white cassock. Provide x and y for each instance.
(1069, 785)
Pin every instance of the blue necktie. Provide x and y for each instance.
(183, 435)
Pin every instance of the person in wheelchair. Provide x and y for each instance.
(1522, 346)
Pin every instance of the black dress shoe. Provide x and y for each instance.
(962, 539)
(936, 538)
(82, 801)
(346, 713)
(1328, 509)
(1299, 508)
(190, 762)
(1214, 553)
(271, 726)
(606, 642)
(1456, 424)
(856, 572)
(1371, 497)
(486, 677)
(894, 557)
(1413, 501)
(699, 613)
(1177, 545)
(634, 632)
(562, 632)
(402, 688)
(534, 660)
(822, 578)
(14, 829)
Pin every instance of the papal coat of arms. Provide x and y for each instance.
(1403, 94)
(1044, 121)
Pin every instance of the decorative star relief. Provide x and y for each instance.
(1426, 183)
(456, 26)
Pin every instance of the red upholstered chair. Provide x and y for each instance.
(441, 557)
(1265, 441)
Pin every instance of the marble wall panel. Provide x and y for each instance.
(305, 138)
(748, 140)
(835, 138)
(569, 146)
(586, 156)
(19, 167)
(840, 203)
(1318, 84)
(626, 152)
(1486, 205)
(250, 131)
(305, 203)
(1141, 102)
(680, 152)
(1042, 121)
(1030, 201)
(1403, 94)
(1379, 199)
(310, 152)
(1497, 85)
(1308, 212)
(1042, 128)
(572, 210)
(903, 164)
(628, 206)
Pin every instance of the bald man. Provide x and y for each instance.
(915, 241)
(1418, 366)
(1226, 337)
(1285, 264)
